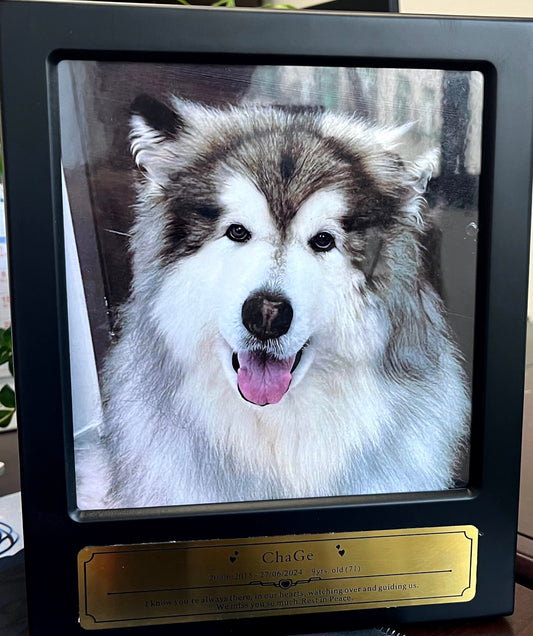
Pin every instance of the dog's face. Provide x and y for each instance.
(276, 231)
(278, 288)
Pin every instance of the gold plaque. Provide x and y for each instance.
(149, 584)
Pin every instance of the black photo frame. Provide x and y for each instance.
(56, 531)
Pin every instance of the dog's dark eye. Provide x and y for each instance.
(322, 242)
(238, 233)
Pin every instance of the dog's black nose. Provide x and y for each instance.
(266, 315)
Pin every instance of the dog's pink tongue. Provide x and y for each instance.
(263, 381)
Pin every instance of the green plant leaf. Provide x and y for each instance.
(6, 350)
(6, 417)
(183, 2)
(6, 338)
(7, 396)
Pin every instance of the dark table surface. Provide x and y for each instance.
(524, 562)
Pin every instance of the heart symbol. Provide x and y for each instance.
(341, 552)
(338, 547)
(233, 559)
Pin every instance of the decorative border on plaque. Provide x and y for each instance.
(149, 584)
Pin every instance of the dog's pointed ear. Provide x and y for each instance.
(416, 176)
(153, 124)
(421, 170)
(413, 174)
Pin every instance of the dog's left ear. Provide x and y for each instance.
(152, 125)
(421, 170)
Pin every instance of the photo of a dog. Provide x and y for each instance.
(281, 338)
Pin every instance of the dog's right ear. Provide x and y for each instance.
(153, 124)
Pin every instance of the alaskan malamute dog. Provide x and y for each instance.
(281, 338)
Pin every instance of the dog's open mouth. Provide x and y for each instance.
(263, 379)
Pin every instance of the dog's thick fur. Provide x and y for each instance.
(268, 238)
